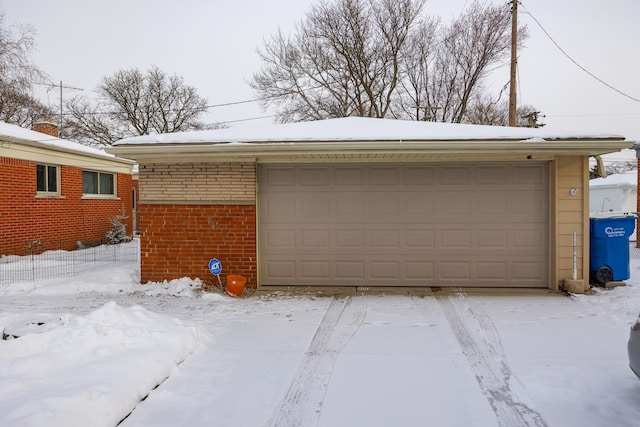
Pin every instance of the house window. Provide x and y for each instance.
(47, 179)
(98, 183)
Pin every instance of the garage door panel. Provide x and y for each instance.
(384, 239)
(419, 239)
(316, 207)
(385, 270)
(281, 208)
(529, 240)
(280, 239)
(529, 174)
(420, 271)
(454, 205)
(349, 176)
(491, 239)
(492, 175)
(455, 175)
(384, 175)
(487, 206)
(420, 206)
(349, 239)
(314, 270)
(490, 271)
(280, 177)
(314, 176)
(349, 207)
(455, 239)
(418, 225)
(529, 208)
(314, 239)
(527, 271)
(457, 271)
(281, 270)
(419, 175)
(350, 270)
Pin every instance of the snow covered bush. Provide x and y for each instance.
(118, 232)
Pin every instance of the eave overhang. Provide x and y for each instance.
(370, 150)
(36, 151)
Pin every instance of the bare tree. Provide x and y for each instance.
(132, 103)
(17, 76)
(382, 58)
(344, 60)
(485, 111)
(451, 69)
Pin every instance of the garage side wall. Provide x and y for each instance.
(571, 214)
(192, 212)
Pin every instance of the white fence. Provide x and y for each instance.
(58, 263)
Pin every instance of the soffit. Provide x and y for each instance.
(370, 151)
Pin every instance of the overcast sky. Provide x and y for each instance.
(212, 44)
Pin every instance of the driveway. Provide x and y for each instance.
(446, 359)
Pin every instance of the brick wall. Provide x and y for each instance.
(57, 222)
(179, 240)
(197, 182)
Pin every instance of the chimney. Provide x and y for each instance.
(46, 126)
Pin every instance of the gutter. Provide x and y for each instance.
(7, 141)
(591, 147)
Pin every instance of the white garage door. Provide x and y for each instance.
(404, 225)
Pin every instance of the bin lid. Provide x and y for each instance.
(607, 215)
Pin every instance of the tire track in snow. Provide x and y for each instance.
(302, 403)
(481, 344)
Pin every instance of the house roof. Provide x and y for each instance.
(618, 180)
(354, 138)
(13, 133)
(18, 142)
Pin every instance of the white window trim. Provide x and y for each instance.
(49, 194)
(113, 196)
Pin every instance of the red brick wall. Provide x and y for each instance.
(57, 222)
(179, 240)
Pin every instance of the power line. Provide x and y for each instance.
(246, 120)
(574, 61)
(226, 104)
(594, 115)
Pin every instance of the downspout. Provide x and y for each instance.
(602, 172)
(574, 275)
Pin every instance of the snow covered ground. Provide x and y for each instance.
(92, 347)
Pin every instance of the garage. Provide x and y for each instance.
(482, 225)
(365, 202)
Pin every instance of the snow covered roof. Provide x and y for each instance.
(16, 134)
(354, 139)
(627, 179)
(360, 129)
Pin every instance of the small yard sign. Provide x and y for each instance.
(215, 267)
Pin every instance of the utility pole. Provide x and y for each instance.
(514, 62)
(51, 86)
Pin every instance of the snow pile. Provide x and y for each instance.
(89, 370)
(183, 287)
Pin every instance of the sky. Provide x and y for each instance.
(213, 45)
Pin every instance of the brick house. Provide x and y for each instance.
(368, 202)
(55, 193)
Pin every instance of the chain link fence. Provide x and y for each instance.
(59, 263)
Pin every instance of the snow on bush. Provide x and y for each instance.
(118, 232)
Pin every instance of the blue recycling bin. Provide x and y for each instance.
(609, 239)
